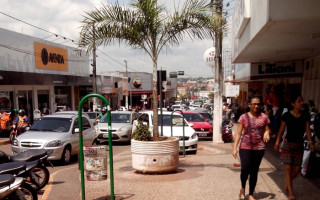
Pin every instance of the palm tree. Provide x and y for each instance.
(149, 27)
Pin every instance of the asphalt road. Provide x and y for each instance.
(57, 167)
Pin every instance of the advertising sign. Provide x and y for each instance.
(50, 57)
(208, 56)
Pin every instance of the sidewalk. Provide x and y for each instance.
(208, 175)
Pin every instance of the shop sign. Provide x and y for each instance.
(50, 57)
(264, 69)
(232, 90)
(208, 56)
(106, 90)
(4, 94)
(137, 82)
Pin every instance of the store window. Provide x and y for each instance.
(6, 101)
(63, 97)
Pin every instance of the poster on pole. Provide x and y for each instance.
(231, 90)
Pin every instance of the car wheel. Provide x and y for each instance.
(66, 156)
(194, 152)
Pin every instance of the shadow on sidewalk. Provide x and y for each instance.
(301, 185)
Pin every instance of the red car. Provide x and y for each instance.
(201, 125)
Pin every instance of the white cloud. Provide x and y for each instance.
(63, 17)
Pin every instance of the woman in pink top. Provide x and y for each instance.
(253, 126)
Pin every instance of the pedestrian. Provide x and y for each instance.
(297, 123)
(254, 128)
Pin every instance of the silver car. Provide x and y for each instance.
(121, 126)
(57, 132)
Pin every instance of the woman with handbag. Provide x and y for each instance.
(297, 123)
(254, 126)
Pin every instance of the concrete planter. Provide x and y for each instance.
(155, 156)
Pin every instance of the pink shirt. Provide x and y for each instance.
(254, 128)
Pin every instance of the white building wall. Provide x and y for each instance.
(17, 53)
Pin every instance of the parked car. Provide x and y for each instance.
(205, 113)
(57, 132)
(121, 126)
(191, 138)
(94, 117)
(201, 125)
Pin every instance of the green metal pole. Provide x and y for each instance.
(81, 150)
(81, 144)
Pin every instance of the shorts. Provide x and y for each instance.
(292, 153)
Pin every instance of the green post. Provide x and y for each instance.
(183, 124)
(81, 144)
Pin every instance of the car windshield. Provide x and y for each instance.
(193, 117)
(176, 120)
(92, 115)
(117, 118)
(52, 125)
(207, 116)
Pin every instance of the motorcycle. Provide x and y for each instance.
(18, 129)
(20, 170)
(9, 187)
(39, 175)
(227, 135)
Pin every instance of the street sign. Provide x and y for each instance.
(173, 74)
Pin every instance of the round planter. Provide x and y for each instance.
(155, 156)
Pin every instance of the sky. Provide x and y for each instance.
(63, 17)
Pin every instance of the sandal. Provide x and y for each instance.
(241, 195)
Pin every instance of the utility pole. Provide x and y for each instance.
(127, 107)
(217, 125)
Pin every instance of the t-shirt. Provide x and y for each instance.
(254, 128)
(296, 126)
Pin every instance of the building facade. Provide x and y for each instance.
(36, 73)
(276, 48)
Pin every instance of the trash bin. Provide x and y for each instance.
(95, 162)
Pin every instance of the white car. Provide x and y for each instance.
(191, 138)
(58, 132)
(121, 126)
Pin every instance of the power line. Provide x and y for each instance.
(116, 61)
(57, 35)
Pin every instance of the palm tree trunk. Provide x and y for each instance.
(155, 100)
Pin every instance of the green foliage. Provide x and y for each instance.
(141, 132)
(211, 95)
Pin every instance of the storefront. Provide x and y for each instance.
(279, 78)
(35, 73)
